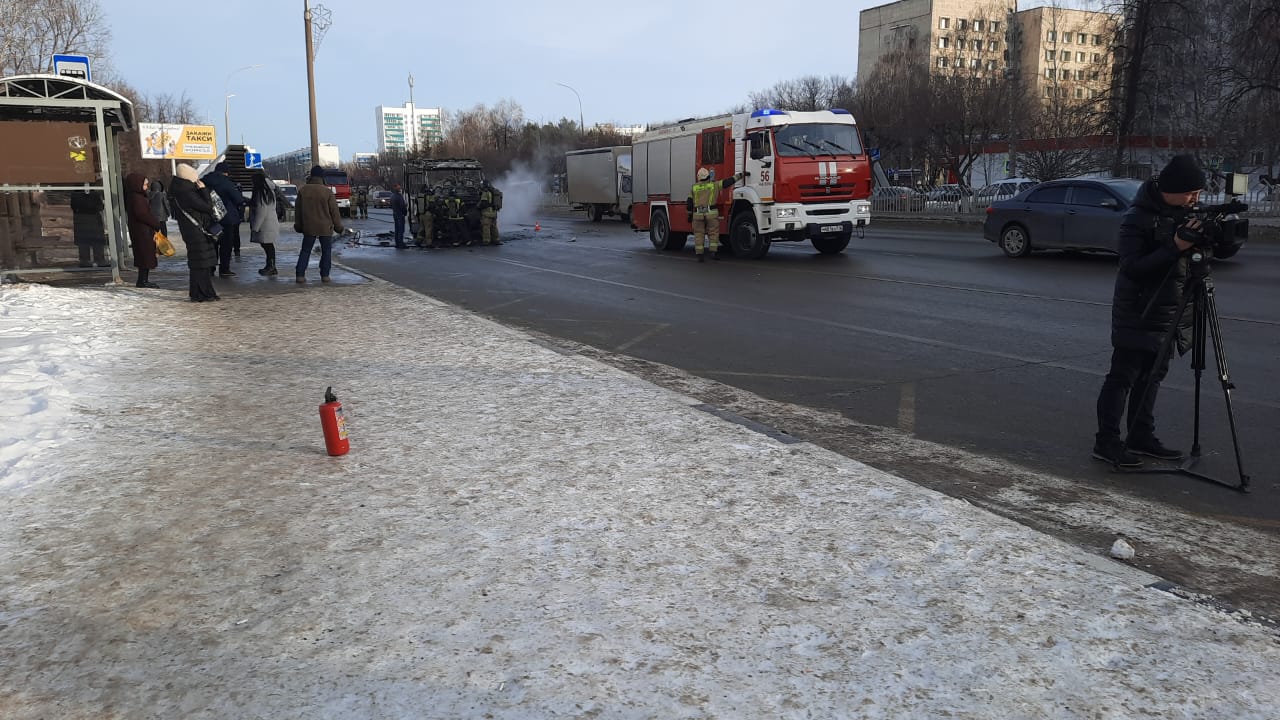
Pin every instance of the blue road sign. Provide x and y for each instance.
(75, 66)
(875, 153)
(253, 161)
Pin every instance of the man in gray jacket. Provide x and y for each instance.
(317, 218)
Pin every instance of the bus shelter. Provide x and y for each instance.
(61, 206)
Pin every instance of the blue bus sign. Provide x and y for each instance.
(72, 66)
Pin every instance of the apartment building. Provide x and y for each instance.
(950, 35)
(403, 128)
(1066, 53)
(1055, 52)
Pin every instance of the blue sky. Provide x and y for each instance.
(632, 63)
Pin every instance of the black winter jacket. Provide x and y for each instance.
(185, 196)
(1153, 274)
(231, 197)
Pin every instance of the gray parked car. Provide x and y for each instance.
(1076, 214)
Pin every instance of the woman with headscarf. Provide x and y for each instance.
(190, 202)
(264, 226)
(142, 227)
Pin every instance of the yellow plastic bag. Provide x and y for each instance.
(163, 246)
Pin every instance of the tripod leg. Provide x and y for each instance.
(1220, 357)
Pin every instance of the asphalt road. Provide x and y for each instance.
(925, 352)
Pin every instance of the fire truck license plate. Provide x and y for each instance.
(831, 228)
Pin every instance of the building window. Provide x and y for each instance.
(975, 63)
(1066, 75)
(976, 45)
(1079, 93)
(1079, 75)
(1048, 56)
(1097, 39)
(1066, 56)
(1079, 57)
(942, 62)
(1097, 57)
(1048, 72)
(962, 24)
(1053, 36)
(944, 23)
(995, 26)
(1048, 92)
(993, 46)
(1080, 38)
(943, 42)
(1066, 38)
(991, 64)
(977, 26)
(1093, 75)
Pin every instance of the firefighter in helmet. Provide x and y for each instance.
(426, 235)
(455, 219)
(702, 207)
(490, 204)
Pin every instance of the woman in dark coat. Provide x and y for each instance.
(88, 228)
(143, 226)
(189, 201)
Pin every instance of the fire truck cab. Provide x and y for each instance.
(809, 178)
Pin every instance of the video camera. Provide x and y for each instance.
(1220, 224)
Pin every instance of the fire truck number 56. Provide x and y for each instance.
(764, 176)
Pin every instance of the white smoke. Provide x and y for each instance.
(521, 195)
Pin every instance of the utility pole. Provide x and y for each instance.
(311, 83)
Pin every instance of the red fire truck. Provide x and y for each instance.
(810, 179)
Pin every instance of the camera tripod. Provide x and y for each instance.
(1199, 293)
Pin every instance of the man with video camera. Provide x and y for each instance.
(1156, 234)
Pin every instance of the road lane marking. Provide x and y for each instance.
(660, 327)
(907, 409)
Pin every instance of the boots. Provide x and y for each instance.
(270, 269)
(144, 279)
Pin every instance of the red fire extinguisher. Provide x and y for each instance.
(334, 424)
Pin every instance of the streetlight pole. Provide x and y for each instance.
(581, 125)
(226, 112)
(413, 120)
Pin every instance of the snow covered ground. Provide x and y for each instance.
(517, 533)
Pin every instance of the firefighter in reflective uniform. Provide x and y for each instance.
(706, 218)
(362, 204)
(426, 235)
(455, 220)
(490, 203)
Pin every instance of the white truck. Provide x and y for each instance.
(600, 181)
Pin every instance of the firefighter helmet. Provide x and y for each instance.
(703, 174)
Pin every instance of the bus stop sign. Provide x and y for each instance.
(74, 66)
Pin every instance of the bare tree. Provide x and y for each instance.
(32, 31)
(806, 94)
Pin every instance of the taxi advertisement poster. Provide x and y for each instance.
(164, 141)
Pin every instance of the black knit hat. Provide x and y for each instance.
(317, 171)
(1181, 175)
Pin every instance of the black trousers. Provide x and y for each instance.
(228, 242)
(201, 286)
(1126, 386)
